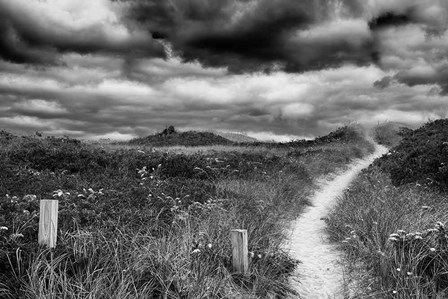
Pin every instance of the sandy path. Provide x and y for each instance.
(320, 275)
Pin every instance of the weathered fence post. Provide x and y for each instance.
(48, 222)
(240, 252)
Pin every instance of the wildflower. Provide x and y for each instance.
(26, 212)
(393, 235)
(392, 239)
(16, 236)
(3, 228)
(251, 254)
(418, 237)
(398, 269)
(58, 193)
(432, 249)
(196, 251)
(91, 190)
(209, 245)
(394, 292)
(409, 273)
(440, 225)
(259, 256)
(30, 197)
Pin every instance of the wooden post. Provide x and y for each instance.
(48, 222)
(240, 251)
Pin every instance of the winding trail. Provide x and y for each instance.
(319, 275)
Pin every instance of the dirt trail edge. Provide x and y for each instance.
(319, 275)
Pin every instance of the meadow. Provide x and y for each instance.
(137, 221)
(391, 222)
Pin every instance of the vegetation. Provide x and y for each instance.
(390, 133)
(137, 222)
(391, 222)
(170, 137)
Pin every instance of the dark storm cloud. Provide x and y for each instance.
(254, 35)
(383, 83)
(412, 39)
(28, 35)
(438, 76)
(389, 19)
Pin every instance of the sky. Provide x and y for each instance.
(275, 69)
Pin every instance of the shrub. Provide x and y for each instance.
(421, 157)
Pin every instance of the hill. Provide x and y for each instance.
(421, 157)
(390, 133)
(236, 137)
(170, 137)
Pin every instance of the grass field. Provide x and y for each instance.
(391, 222)
(137, 221)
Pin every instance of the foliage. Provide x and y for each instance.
(139, 223)
(170, 136)
(421, 157)
(390, 134)
(391, 221)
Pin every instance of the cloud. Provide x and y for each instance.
(117, 106)
(256, 35)
(384, 82)
(37, 31)
(279, 67)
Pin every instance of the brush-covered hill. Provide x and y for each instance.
(421, 156)
(171, 137)
(236, 137)
(390, 133)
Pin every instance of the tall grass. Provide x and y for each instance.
(394, 238)
(149, 224)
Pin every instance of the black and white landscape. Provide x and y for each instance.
(198, 149)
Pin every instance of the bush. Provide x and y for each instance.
(421, 157)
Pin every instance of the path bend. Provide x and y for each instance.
(319, 275)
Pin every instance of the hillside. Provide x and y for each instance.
(391, 222)
(421, 157)
(390, 133)
(170, 137)
(236, 137)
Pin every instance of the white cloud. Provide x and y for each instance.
(297, 111)
(40, 106)
(352, 31)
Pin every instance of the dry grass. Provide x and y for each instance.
(393, 244)
(146, 237)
